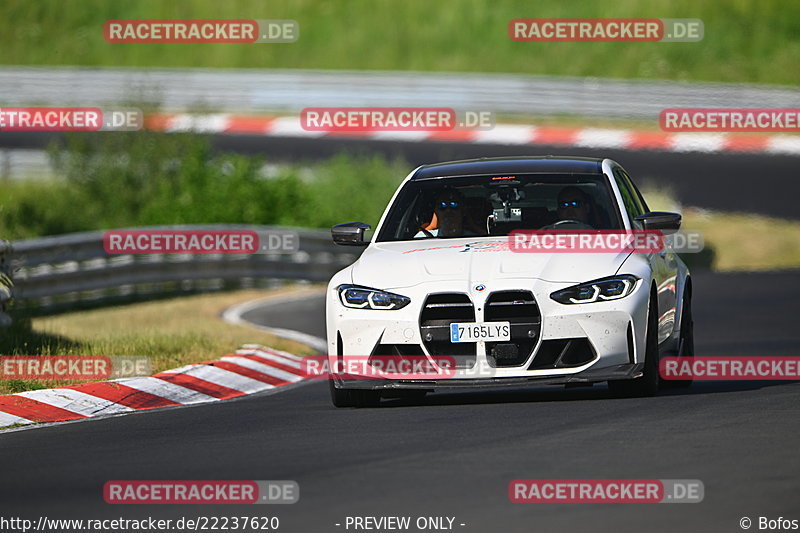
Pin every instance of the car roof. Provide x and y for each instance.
(514, 165)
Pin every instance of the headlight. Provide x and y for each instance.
(600, 290)
(365, 298)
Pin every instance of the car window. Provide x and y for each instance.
(632, 201)
(635, 190)
(477, 206)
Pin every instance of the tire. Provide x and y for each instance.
(648, 383)
(686, 341)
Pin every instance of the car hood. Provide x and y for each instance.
(407, 263)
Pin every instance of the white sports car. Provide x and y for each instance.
(439, 280)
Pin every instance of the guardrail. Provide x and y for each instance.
(289, 91)
(64, 270)
(5, 282)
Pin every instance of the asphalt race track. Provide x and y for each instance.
(723, 181)
(754, 183)
(454, 454)
(735, 314)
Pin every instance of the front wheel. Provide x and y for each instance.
(686, 346)
(648, 383)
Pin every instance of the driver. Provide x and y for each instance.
(449, 216)
(574, 204)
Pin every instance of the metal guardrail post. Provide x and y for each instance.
(6, 283)
(64, 269)
(265, 90)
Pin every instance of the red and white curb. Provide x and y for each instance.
(501, 134)
(251, 369)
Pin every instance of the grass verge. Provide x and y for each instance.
(747, 242)
(739, 241)
(171, 333)
(750, 41)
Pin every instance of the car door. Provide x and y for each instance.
(663, 263)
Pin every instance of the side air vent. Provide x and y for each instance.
(397, 349)
(563, 353)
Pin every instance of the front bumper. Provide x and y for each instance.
(592, 375)
(613, 331)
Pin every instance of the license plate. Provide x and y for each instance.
(480, 331)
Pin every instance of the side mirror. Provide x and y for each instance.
(660, 220)
(350, 233)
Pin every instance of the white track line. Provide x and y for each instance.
(697, 142)
(603, 138)
(226, 378)
(291, 127)
(506, 134)
(410, 136)
(271, 351)
(263, 368)
(167, 390)
(233, 315)
(783, 144)
(9, 420)
(200, 123)
(271, 357)
(76, 401)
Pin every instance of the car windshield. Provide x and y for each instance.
(475, 206)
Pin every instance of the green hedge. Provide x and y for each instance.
(114, 180)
